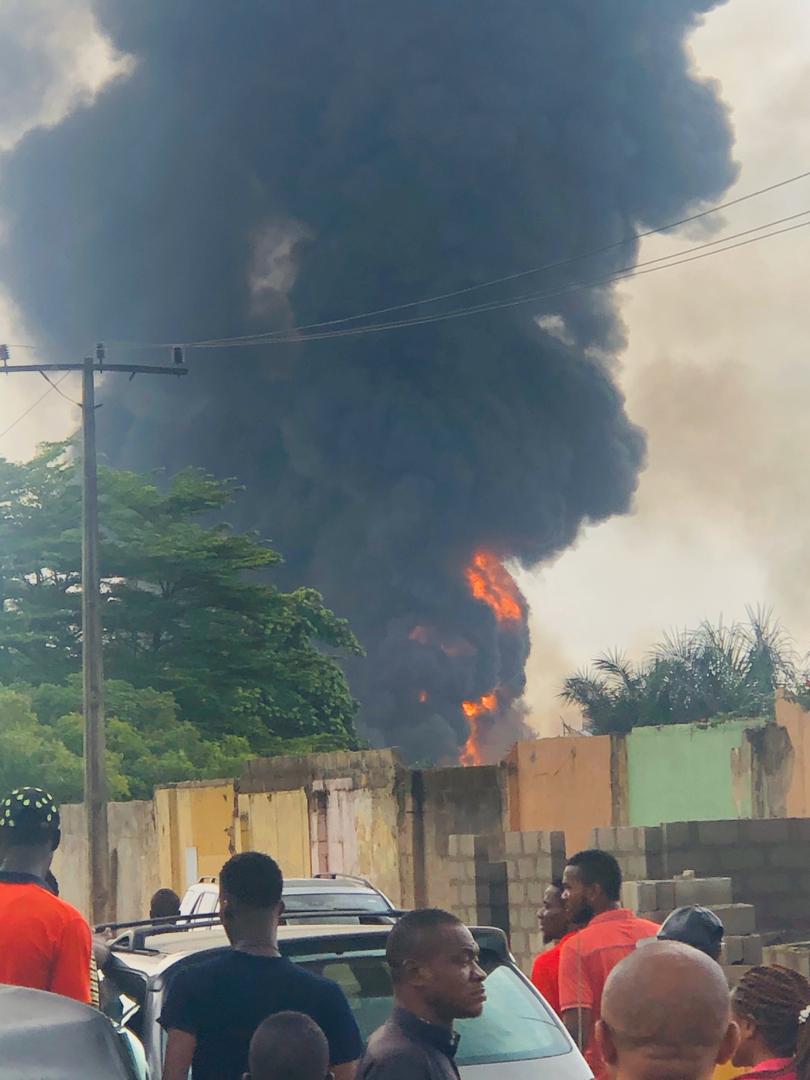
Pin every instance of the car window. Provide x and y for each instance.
(515, 1025)
(310, 900)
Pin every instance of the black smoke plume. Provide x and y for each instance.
(277, 162)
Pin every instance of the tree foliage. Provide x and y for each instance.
(711, 672)
(192, 626)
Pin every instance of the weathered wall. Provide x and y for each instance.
(357, 814)
(196, 830)
(133, 847)
(277, 823)
(456, 801)
(690, 772)
(572, 783)
(796, 723)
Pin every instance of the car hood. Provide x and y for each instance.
(563, 1067)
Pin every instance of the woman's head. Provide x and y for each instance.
(771, 1006)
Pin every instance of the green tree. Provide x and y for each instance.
(707, 673)
(187, 607)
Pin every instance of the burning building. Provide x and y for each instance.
(282, 165)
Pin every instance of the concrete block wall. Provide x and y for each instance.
(767, 860)
(477, 878)
(638, 849)
(532, 860)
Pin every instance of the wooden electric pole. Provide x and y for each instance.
(95, 741)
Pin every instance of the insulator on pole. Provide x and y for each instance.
(177, 355)
(100, 353)
(4, 356)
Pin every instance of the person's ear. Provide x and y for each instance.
(604, 1039)
(728, 1047)
(281, 907)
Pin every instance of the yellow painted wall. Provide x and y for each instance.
(562, 783)
(277, 823)
(196, 830)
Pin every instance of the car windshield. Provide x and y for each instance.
(331, 900)
(515, 1025)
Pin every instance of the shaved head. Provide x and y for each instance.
(666, 1015)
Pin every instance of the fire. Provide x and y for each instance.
(493, 585)
(472, 753)
(423, 696)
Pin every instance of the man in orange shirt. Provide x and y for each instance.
(592, 885)
(557, 929)
(44, 942)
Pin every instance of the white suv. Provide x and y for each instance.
(341, 899)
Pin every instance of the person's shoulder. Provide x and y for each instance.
(647, 927)
(390, 1043)
(60, 909)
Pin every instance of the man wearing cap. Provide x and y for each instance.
(44, 942)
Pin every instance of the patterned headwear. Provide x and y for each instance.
(30, 809)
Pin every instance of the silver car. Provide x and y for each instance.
(518, 1037)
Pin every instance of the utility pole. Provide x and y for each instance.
(95, 741)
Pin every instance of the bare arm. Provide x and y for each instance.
(180, 1046)
(343, 1072)
(579, 1023)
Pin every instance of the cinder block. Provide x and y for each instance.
(534, 892)
(732, 950)
(752, 949)
(678, 834)
(464, 846)
(686, 891)
(736, 918)
(634, 867)
(790, 856)
(527, 868)
(639, 895)
(530, 843)
(718, 832)
(652, 839)
(653, 916)
(628, 840)
(768, 831)
(513, 843)
(604, 838)
(800, 830)
(736, 857)
(665, 895)
(714, 890)
(734, 973)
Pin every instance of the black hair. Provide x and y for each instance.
(599, 868)
(411, 937)
(164, 904)
(776, 999)
(557, 883)
(288, 1046)
(253, 879)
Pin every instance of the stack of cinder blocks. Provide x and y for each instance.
(656, 899)
(478, 881)
(533, 861)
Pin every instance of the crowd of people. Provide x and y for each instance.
(642, 1001)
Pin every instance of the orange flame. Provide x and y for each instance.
(423, 696)
(472, 753)
(493, 585)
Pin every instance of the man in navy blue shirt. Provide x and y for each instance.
(214, 1007)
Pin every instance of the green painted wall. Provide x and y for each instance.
(689, 772)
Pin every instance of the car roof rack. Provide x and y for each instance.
(141, 929)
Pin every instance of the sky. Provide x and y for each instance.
(715, 368)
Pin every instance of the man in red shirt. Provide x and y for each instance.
(592, 885)
(44, 942)
(557, 929)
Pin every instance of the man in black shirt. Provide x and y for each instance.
(437, 979)
(213, 1007)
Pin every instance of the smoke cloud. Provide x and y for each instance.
(277, 163)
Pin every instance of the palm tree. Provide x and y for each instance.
(702, 674)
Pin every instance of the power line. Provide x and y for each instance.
(667, 261)
(250, 338)
(30, 409)
(55, 386)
